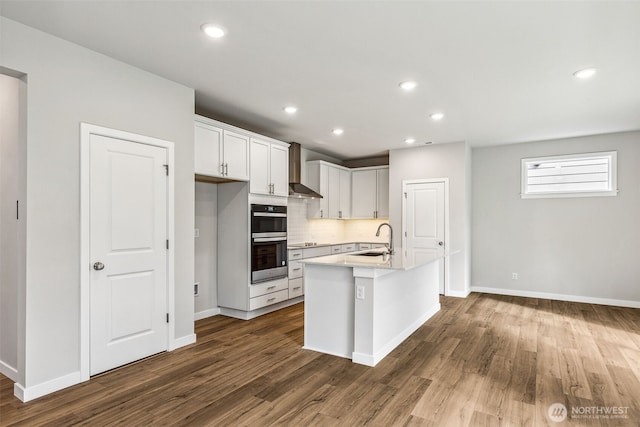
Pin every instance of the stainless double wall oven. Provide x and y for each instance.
(268, 242)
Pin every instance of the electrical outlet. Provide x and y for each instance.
(196, 232)
(359, 292)
(196, 289)
(514, 276)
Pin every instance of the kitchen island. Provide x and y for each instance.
(362, 306)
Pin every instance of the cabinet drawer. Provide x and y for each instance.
(336, 249)
(295, 254)
(295, 269)
(268, 287)
(296, 288)
(268, 299)
(315, 252)
(349, 247)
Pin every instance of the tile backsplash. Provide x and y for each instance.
(300, 229)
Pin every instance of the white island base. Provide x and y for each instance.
(358, 309)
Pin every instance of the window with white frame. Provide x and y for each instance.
(574, 175)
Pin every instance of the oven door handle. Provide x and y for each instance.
(281, 234)
(268, 239)
(278, 215)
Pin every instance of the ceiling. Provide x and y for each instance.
(501, 72)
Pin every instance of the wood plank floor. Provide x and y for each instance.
(485, 360)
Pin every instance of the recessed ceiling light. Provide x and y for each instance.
(584, 74)
(437, 116)
(213, 31)
(408, 85)
(338, 131)
(290, 109)
(410, 140)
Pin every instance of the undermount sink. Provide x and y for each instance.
(371, 254)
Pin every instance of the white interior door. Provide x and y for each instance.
(424, 222)
(128, 252)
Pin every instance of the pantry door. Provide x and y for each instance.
(128, 258)
(424, 222)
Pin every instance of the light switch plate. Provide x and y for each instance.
(359, 292)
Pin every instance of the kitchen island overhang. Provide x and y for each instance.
(363, 307)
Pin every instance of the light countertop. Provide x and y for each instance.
(384, 261)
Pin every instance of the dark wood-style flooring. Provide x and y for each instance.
(485, 360)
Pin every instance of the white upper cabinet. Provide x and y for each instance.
(345, 194)
(207, 149)
(235, 156)
(333, 182)
(334, 192)
(269, 168)
(318, 180)
(382, 193)
(219, 152)
(370, 193)
(279, 169)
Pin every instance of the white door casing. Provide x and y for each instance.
(425, 222)
(127, 225)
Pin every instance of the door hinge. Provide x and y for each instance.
(167, 243)
(166, 169)
(405, 194)
(167, 317)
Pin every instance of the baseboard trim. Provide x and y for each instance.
(9, 371)
(206, 313)
(182, 341)
(374, 359)
(27, 394)
(248, 315)
(331, 353)
(559, 297)
(458, 294)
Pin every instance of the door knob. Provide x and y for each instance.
(440, 243)
(98, 266)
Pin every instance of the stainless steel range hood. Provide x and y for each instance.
(296, 189)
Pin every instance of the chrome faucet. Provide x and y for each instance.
(390, 244)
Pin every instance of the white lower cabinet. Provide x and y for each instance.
(264, 294)
(296, 268)
(296, 287)
(268, 299)
(349, 247)
(268, 287)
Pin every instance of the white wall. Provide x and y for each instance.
(12, 228)
(67, 85)
(584, 247)
(206, 248)
(437, 161)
